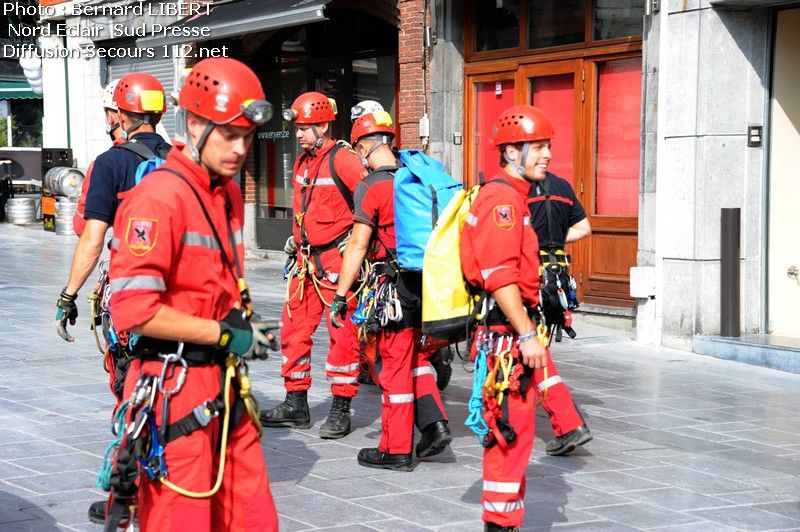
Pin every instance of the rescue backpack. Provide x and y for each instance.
(448, 305)
(422, 191)
(150, 159)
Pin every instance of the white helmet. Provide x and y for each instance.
(108, 95)
(364, 108)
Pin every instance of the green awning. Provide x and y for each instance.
(10, 90)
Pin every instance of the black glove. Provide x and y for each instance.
(247, 339)
(67, 311)
(338, 311)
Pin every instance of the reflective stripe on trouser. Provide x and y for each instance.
(504, 469)
(560, 406)
(396, 350)
(343, 353)
(244, 502)
(428, 405)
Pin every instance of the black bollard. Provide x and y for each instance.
(730, 323)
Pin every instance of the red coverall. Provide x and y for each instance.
(499, 248)
(164, 253)
(325, 216)
(407, 379)
(78, 222)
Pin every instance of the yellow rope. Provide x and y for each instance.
(94, 300)
(230, 372)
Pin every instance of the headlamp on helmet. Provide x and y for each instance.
(257, 111)
(289, 115)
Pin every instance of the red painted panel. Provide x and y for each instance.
(618, 117)
(491, 99)
(555, 95)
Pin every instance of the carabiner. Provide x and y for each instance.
(170, 359)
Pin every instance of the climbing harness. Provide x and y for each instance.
(557, 291)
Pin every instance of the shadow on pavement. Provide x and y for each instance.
(13, 516)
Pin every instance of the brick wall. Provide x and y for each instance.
(411, 96)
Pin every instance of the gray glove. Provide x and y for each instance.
(290, 247)
(247, 339)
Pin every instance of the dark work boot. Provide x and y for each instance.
(97, 512)
(435, 437)
(338, 423)
(292, 412)
(491, 527)
(373, 457)
(566, 443)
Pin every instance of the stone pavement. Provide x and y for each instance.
(681, 442)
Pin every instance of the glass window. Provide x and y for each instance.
(555, 22)
(277, 145)
(618, 118)
(614, 19)
(496, 24)
(555, 95)
(491, 99)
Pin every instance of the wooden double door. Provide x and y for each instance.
(595, 108)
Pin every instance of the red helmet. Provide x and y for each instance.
(139, 93)
(225, 91)
(522, 123)
(371, 124)
(311, 108)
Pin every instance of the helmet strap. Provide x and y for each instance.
(519, 168)
(200, 142)
(111, 128)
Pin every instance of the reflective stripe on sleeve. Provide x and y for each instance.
(488, 272)
(191, 238)
(501, 487)
(472, 219)
(138, 282)
(551, 381)
(300, 374)
(526, 220)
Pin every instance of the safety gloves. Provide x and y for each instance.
(247, 339)
(67, 311)
(338, 311)
(290, 247)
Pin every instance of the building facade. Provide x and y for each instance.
(665, 113)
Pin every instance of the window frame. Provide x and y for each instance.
(471, 55)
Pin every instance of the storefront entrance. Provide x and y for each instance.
(350, 57)
(581, 63)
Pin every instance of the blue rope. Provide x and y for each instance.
(475, 421)
(117, 429)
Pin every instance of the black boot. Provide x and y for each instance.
(292, 412)
(373, 457)
(97, 512)
(491, 527)
(435, 437)
(566, 443)
(338, 423)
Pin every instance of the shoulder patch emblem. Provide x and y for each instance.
(504, 216)
(141, 235)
